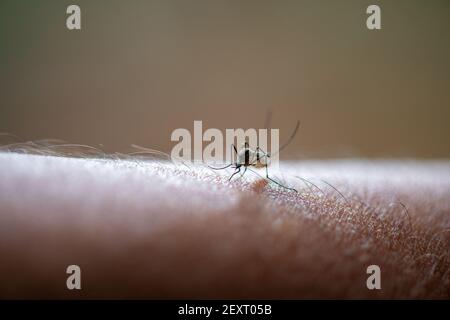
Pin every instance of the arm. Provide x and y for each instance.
(148, 229)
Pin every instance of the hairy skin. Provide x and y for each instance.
(143, 229)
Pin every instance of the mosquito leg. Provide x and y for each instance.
(238, 169)
(214, 168)
(231, 164)
(276, 182)
(233, 148)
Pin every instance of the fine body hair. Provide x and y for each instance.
(140, 226)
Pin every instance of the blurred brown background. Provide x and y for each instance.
(139, 69)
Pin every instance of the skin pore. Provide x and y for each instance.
(150, 229)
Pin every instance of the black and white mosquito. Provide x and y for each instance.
(258, 158)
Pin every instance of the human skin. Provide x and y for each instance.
(148, 229)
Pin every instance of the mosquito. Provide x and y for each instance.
(246, 158)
